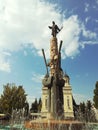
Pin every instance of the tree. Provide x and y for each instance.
(13, 97)
(82, 107)
(26, 107)
(82, 111)
(90, 114)
(86, 112)
(89, 105)
(95, 98)
(34, 106)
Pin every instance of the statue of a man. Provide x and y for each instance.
(55, 29)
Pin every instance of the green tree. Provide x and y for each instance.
(34, 106)
(95, 98)
(89, 105)
(88, 113)
(82, 108)
(13, 97)
(82, 111)
(26, 107)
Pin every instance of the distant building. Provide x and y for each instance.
(67, 97)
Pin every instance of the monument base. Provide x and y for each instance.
(42, 124)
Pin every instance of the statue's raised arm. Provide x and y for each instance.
(55, 29)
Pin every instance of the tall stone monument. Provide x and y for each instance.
(56, 92)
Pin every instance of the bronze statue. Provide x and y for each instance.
(55, 29)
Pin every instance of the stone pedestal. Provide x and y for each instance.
(53, 56)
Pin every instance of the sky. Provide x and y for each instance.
(24, 32)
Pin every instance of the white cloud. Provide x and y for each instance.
(26, 22)
(25, 53)
(87, 19)
(81, 98)
(4, 62)
(96, 1)
(86, 7)
(36, 77)
(4, 66)
(96, 20)
(30, 100)
(87, 33)
(70, 35)
(88, 42)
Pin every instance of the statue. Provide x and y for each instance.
(55, 29)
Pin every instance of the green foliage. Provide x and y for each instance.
(26, 107)
(82, 108)
(89, 105)
(36, 106)
(95, 98)
(13, 97)
(86, 112)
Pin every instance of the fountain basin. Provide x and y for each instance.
(42, 124)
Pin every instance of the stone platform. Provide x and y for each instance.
(42, 124)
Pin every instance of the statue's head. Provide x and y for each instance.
(53, 22)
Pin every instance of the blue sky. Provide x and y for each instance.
(24, 32)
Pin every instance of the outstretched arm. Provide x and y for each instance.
(61, 28)
(50, 27)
